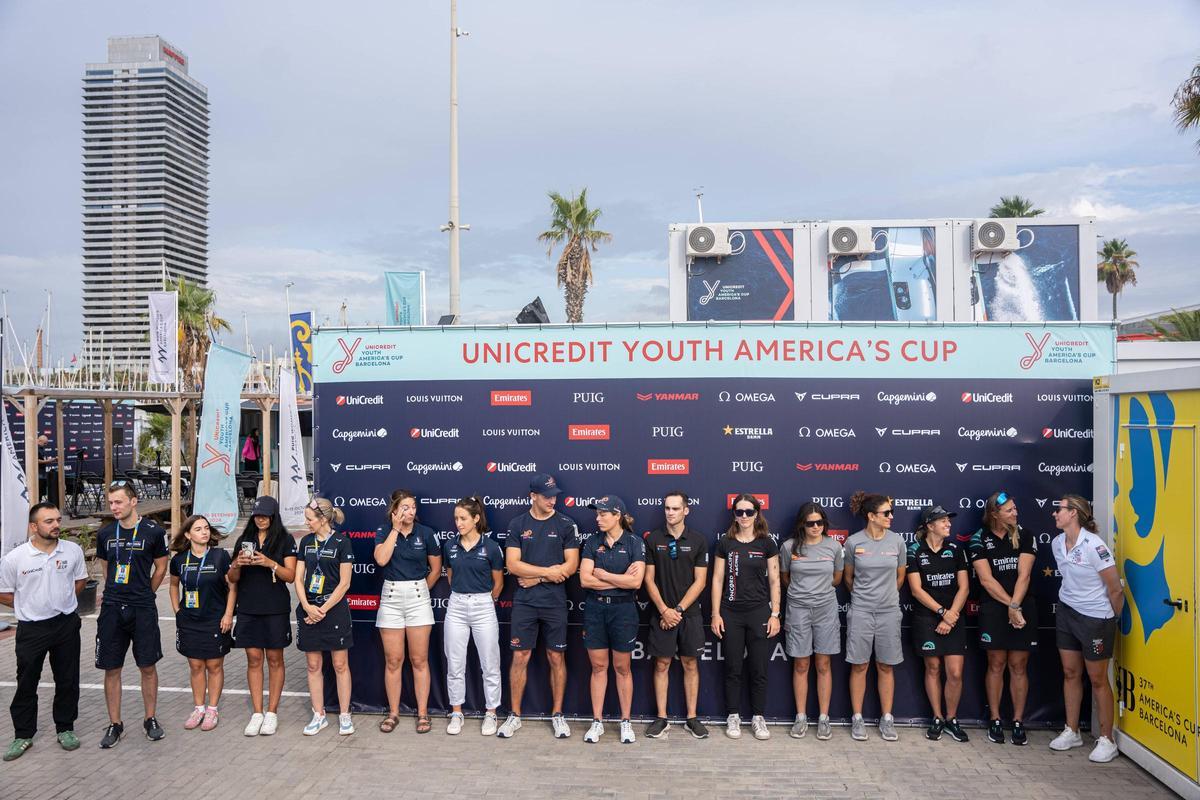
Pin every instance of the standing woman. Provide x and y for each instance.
(938, 580)
(250, 452)
(322, 580)
(745, 602)
(264, 563)
(1089, 601)
(611, 567)
(475, 566)
(811, 565)
(412, 563)
(875, 565)
(1002, 554)
(203, 604)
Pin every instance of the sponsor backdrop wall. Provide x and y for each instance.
(83, 429)
(927, 414)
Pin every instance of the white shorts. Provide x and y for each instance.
(404, 604)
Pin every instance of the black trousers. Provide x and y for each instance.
(747, 648)
(57, 637)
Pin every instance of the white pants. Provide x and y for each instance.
(467, 616)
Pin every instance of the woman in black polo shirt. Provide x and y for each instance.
(937, 578)
(745, 602)
(264, 563)
(1003, 554)
(203, 605)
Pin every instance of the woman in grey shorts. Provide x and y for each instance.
(875, 563)
(811, 566)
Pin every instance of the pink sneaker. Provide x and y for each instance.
(195, 719)
(210, 719)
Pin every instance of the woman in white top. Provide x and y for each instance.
(1089, 601)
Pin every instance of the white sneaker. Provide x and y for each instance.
(315, 725)
(489, 724)
(455, 726)
(1066, 740)
(254, 727)
(733, 726)
(510, 727)
(595, 732)
(559, 723)
(627, 736)
(345, 724)
(270, 723)
(1104, 751)
(759, 726)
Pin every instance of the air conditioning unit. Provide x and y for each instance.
(708, 241)
(994, 235)
(850, 240)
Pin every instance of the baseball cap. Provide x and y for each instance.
(544, 484)
(265, 506)
(931, 513)
(609, 502)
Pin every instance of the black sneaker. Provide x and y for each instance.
(112, 735)
(1018, 734)
(934, 731)
(657, 729)
(154, 731)
(996, 732)
(696, 728)
(955, 730)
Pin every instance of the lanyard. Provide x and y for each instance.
(187, 565)
(117, 542)
(320, 548)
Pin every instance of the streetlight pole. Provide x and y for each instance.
(454, 226)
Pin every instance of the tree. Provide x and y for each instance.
(1015, 206)
(571, 221)
(1187, 102)
(198, 326)
(1117, 268)
(155, 438)
(1184, 326)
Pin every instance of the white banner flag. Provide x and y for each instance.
(164, 337)
(14, 516)
(293, 477)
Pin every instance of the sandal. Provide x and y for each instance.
(423, 724)
(389, 723)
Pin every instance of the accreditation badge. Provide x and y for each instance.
(121, 574)
(316, 584)
(191, 598)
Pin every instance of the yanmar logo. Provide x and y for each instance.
(434, 433)
(987, 397)
(827, 467)
(512, 397)
(668, 466)
(588, 432)
(763, 499)
(360, 399)
(1067, 433)
(666, 397)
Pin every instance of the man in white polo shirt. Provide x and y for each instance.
(41, 580)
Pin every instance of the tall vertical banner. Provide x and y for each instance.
(301, 337)
(293, 476)
(164, 337)
(14, 506)
(405, 297)
(216, 489)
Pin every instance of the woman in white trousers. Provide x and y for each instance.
(475, 566)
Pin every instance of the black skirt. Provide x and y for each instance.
(201, 639)
(262, 631)
(335, 632)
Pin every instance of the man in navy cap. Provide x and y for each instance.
(541, 551)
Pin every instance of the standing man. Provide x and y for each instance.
(41, 580)
(542, 551)
(676, 574)
(47, 469)
(134, 553)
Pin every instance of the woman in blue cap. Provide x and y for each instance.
(612, 564)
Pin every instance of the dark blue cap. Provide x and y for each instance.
(931, 513)
(610, 502)
(544, 484)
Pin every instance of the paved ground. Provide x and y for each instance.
(223, 763)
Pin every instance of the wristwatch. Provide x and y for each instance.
(774, 615)
(679, 609)
(1015, 606)
(941, 611)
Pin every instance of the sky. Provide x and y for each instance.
(329, 137)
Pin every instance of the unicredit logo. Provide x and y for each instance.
(360, 399)
(510, 466)
(668, 466)
(987, 397)
(512, 397)
(1067, 433)
(350, 436)
(588, 432)
(433, 433)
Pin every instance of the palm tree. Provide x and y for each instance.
(198, 326)
(1185, 326)
(1117, 268)
(1015, 206)
(573, 222)
(1187, 102)
(156, 436)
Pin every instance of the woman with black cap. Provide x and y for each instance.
(611, 567)
(264, 564)
(937, 578)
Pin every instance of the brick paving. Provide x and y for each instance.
(225, 764)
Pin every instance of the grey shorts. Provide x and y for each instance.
(812, 630)
(875, 632)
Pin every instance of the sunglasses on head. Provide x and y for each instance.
(1002, 498)
(744, 512)
(118, 484)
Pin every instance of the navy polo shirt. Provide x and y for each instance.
(543, 543)
(137, 548)
(326, 558)
(471, 570)
(615, 558)
(410, 556)
(207, 576)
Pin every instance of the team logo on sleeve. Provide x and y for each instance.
(1102, 551)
